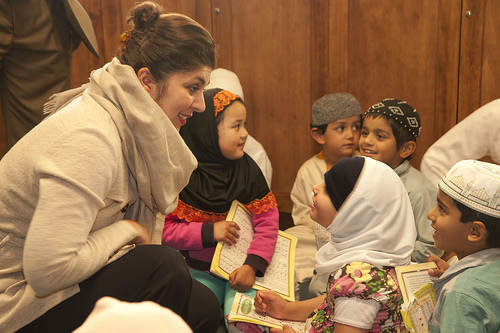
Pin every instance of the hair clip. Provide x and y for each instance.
(125, 38)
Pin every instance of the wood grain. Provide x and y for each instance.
(289, 53)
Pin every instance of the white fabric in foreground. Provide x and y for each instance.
(113, 316)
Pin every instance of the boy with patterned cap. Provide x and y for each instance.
(466, 220)
(336, 124)
(389, 134)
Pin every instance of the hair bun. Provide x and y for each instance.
(144, 15)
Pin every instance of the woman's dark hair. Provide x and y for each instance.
(165, 43)
(491, 223)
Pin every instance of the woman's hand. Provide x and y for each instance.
(442, 266)
(226, 231)
(270, 303)
(143, 234)
(242, 278)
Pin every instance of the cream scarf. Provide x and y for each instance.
(374, 225)
(159, 160)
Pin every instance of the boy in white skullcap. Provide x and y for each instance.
(336, 125)
(466, 220)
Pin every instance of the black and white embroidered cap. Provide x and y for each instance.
(402, 112)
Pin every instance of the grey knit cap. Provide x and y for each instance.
(333, 107)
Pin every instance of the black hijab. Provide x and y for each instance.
(218, 181)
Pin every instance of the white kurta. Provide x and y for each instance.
(475, 137)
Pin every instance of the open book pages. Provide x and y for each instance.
(418, 294)
(279, 276)
(244, 310)
(417, 312)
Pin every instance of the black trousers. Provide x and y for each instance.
(148, 273)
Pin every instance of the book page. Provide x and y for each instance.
(232, 257)
(418, 294)
(244, 310)
(414, 280)
(416, 314)
(279, 275)
(412, 277)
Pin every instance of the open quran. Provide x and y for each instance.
(279, 276)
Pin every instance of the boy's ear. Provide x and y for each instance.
(317, 136)
(477, 232)
(407, 149)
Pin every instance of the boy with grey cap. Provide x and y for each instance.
(336, 125)
(466, 221)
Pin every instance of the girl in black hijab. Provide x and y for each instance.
(225, 173)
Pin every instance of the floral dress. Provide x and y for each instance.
(367, 282)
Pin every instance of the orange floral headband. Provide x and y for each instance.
(222, 99)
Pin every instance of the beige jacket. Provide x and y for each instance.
(70, 182)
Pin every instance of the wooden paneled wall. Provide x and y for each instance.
(289, 53)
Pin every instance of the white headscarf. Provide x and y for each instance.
(227, 80)
(375, 224)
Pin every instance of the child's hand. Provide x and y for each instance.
(270, 303)
(286, 329)
(442, 266)
(242, 278)
(226, 231)
(143, 234)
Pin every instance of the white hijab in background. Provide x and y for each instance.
(375, 224)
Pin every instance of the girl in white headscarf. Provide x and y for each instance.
(365, 208)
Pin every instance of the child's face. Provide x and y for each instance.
(450, 234)
(378, 142)
(232, 131)
(342, 136)
(322, 209)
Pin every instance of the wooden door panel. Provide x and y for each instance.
(109, 18)
(392, 51)
(470, 57)
(490, 67)
(267, 44)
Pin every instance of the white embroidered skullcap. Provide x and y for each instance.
(227, 80)
(475, 184)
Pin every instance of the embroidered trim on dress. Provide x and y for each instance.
(190, 213)
(222, 99)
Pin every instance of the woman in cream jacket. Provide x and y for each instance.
(80, 191)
